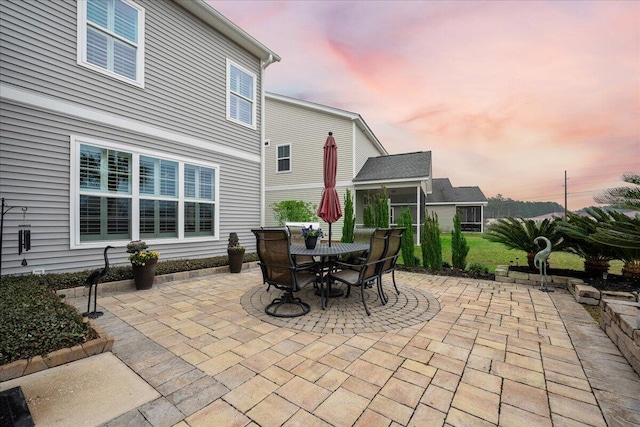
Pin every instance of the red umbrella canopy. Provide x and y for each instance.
(330, 209)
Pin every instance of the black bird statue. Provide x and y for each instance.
(94, 278)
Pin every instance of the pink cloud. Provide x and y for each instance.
(507, 95)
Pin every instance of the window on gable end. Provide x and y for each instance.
(111, 38)
(241, 95)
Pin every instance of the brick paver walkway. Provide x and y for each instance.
(494, 354)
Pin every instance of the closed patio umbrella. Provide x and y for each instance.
(330, 209)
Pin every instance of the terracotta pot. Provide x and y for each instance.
(310, 242)
(144, 275)
(236, 258)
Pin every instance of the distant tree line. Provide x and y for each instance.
(499, 207)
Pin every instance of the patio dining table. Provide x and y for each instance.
(327, 255)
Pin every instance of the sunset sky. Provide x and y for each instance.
(506, 95)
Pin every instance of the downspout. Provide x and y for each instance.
(263, 137)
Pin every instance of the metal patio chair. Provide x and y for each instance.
(280, 270)
(366, 272)
(390, 257)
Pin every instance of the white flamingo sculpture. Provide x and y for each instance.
(540, 261)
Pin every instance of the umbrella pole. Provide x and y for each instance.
(329, 234)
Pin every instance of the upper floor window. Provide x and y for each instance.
(111, 38)
(241, 95)
(284, 158)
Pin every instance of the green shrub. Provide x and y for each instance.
(408, 257)
(35, 321)
(478, 268)
(430, 242)
(349, 220)
(382, 209)
(459, 245)
(294, 211)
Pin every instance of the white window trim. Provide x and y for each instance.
(74, 220)
(254, 119)
(82, 45)
(290, 159)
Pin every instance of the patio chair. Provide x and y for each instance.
(297, 239)
(280, 270)
(390, 257)
(360, 235)
(368, 271)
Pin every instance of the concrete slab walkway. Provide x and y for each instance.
(480, 354)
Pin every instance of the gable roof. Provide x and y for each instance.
(355, 117)
(215, 19)
(444, 192)
(406, 166)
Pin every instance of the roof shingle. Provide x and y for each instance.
(397, 166)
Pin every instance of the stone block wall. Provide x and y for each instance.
(619, 320)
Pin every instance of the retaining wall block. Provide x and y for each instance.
(519, 275)
(36, 364)
(58, 357)
(501, 271)
(505, 279)
(625, 296)
(13, 370)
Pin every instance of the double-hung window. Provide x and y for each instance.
(105, 194)
(199, 193)
(284, 158)
(128, 194)
(158, 198)
(111, 38)
(241, 95)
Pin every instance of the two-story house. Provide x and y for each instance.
(123, 120)
(296, 132)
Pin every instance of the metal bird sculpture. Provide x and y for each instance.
(540, 261)
(92, 282)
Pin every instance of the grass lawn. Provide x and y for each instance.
(492, 254)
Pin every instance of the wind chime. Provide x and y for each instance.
(24, 236)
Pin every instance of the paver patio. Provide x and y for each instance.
(468, 353)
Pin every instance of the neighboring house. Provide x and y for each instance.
(407, 181)
(125, 120)
(446, 200)
(296, 131)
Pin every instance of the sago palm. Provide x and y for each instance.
(624, 234)
(520, 233)
(577, 231)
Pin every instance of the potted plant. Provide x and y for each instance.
(236, 253)
(143, 263)
(311, 236)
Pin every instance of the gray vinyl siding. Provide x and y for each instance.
(34, 172)
(364, 149)
(185, 68)
(184, 94)
(306, 130)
